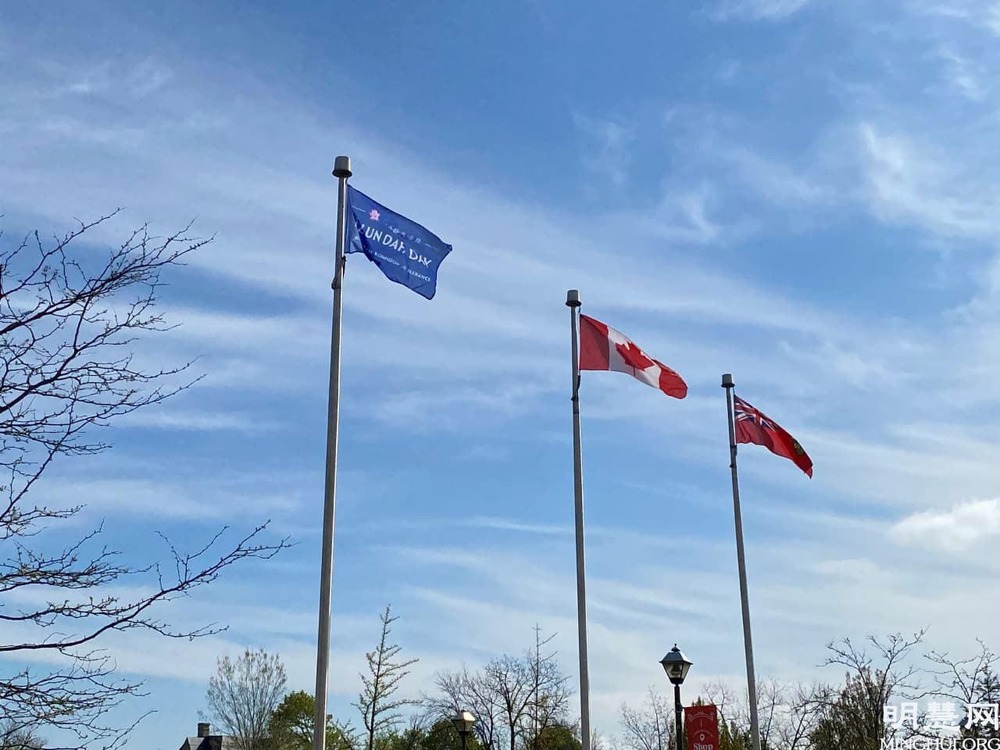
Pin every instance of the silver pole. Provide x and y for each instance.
(727, 383)
(573, 302)
(341, 170)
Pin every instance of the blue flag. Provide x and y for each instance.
(402, 249)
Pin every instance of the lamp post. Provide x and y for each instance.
(464, 722)
(676, 667)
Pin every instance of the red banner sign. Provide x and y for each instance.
(701, 725)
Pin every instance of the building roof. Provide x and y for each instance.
(211, 742)
(215, 742)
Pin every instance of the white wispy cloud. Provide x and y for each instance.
(984, 14)
(492, 348)
(153, 490)
(758, 10)
(776, 181)
(196, 420)
(684, 215)
(963, 75)
(913, 185)
(959, 528)
(507, 330)
(606, 147)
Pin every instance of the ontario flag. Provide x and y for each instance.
(604, 348)
(753, 426)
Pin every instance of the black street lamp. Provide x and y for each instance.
(676, 667)
(464, 722)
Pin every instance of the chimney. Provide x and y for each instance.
(204, 729)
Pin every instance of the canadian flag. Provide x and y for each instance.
(604, 348)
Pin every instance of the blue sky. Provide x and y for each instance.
(799, 192)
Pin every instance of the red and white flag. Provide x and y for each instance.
(604, 348)
(754, 426)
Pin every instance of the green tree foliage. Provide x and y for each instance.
(414, 737)
(291, 726)
(441, 735)
(854, 715)
(558, 737)
(733, 737)
(854, 718)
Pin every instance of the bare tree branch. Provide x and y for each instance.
(649, 727)
(70, 317)
(517, 701)
(243, 695)
(379, 710)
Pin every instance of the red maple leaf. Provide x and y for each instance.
(633, 356)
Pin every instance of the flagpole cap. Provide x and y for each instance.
(573, 298)
(342, 167)
(727, 381)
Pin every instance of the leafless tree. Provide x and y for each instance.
(465, 691)
(966, 682)
(508, 681)
(732, 708)
(379, 709)
(854, 715)
(69, 319)
(243, 694)
(770, 708)
(549, 694)
(517, 701)
(797, 718)
(649, 727)
(16, 737)
(786, 713)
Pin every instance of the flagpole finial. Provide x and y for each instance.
(573, 298)
(727, 381)
(342, 167)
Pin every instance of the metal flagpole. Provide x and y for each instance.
(341, 170)
(573, 302)
(727, 383)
